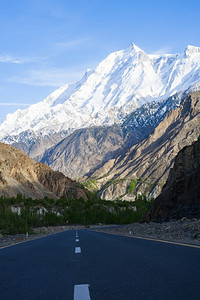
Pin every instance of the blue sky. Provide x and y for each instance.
(46, 43)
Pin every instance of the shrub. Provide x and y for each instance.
(132, 185)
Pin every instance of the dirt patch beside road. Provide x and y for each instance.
(183, 231)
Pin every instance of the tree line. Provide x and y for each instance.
(20, 214)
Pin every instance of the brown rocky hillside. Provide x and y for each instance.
(19, 174)
(180, 197)
(150, 160)
(84, 150)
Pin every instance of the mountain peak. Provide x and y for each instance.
(134, 47)
(191, 50)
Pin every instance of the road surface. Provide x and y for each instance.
(87, 265)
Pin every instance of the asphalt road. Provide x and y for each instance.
(100, 266)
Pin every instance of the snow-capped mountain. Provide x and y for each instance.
(122, 82)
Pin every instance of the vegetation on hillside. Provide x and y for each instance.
(21, 215)
(90, 184)
(132, 185)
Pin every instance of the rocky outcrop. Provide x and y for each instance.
(84, 150)
(180, 197)
(19, 174)
(150, 160)
(58, 183)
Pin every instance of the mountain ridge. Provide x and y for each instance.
(84, 150)
(150, 160)
(122, 82)
(19, 174)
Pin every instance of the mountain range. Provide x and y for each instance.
(124, 121)
(122, 82)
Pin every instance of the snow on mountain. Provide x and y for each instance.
(122, 82)
(141, 122)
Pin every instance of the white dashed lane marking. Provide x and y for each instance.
(77, 250)
(81, 292)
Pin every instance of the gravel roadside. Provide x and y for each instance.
(183, 231)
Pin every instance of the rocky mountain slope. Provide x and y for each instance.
(181, 194)
(34, 145)
(148, 162)
(141, 123)
(122, 82)
(19, 174)
(84, 150)
(104, 139)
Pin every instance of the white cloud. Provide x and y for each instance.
(163, 50)
(9, 59)
(49, 77)
(14, 104)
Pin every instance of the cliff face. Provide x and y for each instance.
(20, 174)
(151, 159)
(181, 194)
